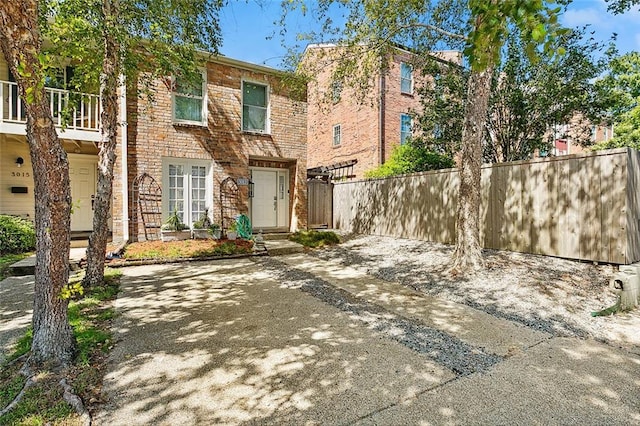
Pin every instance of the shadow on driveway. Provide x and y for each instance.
(223, 342)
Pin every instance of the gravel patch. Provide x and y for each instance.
(458, 356)
(549, 294)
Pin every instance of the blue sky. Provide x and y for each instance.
(247, 26)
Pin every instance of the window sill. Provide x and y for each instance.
(336, 146)
(190, 124)
(255, 133)
(407, 94)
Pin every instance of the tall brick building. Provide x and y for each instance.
(240, 128)
(344, 130)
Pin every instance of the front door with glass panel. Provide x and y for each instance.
(270, 198)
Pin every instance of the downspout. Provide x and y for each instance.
(381, 126)
(124, 154)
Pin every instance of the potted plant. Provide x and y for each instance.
(215, 230)
(232, 232)
(199, 231)
(173, 229)
(201, 227)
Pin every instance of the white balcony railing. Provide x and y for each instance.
(71, 111)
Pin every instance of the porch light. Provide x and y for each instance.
(19, 161)
(251, 184)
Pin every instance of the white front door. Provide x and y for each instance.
(82, 173)
(270, 202)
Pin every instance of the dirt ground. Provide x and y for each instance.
(550, 294)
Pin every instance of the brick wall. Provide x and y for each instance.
(398, 103)
(360, 121)
(152, 135)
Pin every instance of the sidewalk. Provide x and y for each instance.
(303, 341)
(27, 265)
(16, 308)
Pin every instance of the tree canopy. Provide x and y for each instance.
(621, 87)
(157, 37)
(142, 40)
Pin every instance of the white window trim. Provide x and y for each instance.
(402, 142)
(267, 124)
(205, 102)
(333, 135)
(186, 163)
(410, 92)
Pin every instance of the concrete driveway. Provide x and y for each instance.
(299, 341)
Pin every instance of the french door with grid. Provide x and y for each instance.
(187, 192)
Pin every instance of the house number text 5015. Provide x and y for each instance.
(20, 174)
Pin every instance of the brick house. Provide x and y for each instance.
(346, 132)
(241, 126)
(575, 136)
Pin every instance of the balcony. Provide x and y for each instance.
(80, 122)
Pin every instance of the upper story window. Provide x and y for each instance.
(406, 78)
(337, 135)
(405, 128)
(189, 100)
(255, 102)
(336, 91)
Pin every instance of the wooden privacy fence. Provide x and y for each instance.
(579, 206)
(320, 203)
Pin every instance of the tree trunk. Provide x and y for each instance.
(53, 340)
(467, 256)
(107, 155)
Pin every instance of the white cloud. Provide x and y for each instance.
(579, 17)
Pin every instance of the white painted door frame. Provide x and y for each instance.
(279, 189)
(83, 177)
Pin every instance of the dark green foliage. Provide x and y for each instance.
(621, 6)
(443, 106)
(315, 238)
(525, 99)
(412, 157)
(174, 223)
(17, 235)
(621, 88)
(529, 97)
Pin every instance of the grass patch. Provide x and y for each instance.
(90, 316)
(315, 238)
(7, 260)
(171, 250)
(42, 404)
(12, 383)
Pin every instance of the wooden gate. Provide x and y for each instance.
(320, 203)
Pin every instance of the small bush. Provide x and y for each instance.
(410, 158)
(315, 238)
(17, 235)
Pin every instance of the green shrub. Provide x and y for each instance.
(315, 238)
(17, 235)
(410, 158)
